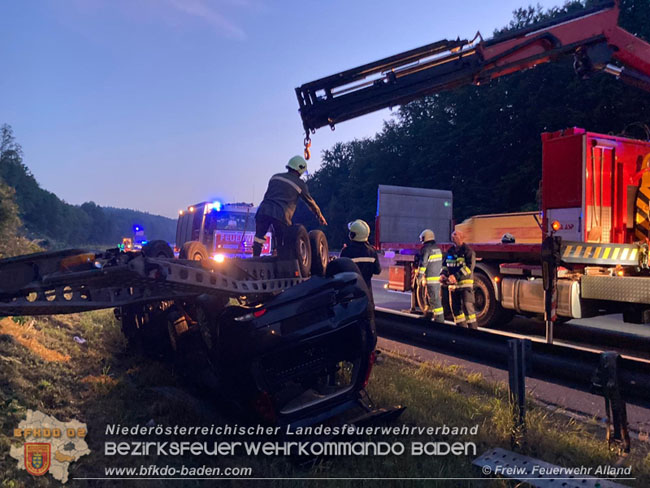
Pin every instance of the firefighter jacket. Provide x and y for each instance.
(430, 262)
(459, 262)
(365, 256)
(282, 195)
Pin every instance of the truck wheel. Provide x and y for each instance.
(488, 310)
(319, 252)
(157, 249)
(194, 251)
(296, 246)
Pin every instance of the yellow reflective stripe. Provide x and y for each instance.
(422, 269)
(616, 251)
(606, 253)
(435, 257)
(459, 317)
(567, 251)
(624, 254)
(433, 278)
(597, 252)
(466, 282)
(438, 310)
(588, 251)
(633, 255)
(577, 252)
(466, 270)
(471, 317)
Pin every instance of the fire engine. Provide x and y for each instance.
(217, 230)
(596, 187)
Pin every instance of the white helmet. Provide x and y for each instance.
(427, 235)
(298, 163)
(359, 230)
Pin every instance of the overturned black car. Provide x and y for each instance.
(299, 357)
(256, 332)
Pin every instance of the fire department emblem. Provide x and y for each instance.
(37, 458)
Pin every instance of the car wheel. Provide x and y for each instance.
(194, 251)
(157, 249)
(342, 265)
(296, 246)
(319, 252)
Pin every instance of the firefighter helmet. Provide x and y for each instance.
(359, 230)
(297, 163)
(427, 235)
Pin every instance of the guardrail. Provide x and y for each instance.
(555, 363)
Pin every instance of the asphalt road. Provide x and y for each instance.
(555, 397)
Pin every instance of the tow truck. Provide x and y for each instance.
(597, 187)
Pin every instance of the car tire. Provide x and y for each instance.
(342, 265)
(319, 252)
(193, 251)
(296, 246)
(157, 249)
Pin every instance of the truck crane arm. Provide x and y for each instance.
(592, 36)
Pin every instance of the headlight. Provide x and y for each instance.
(219, 258)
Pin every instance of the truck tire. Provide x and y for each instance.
(194, 251)
(296, 246)
(488, 309)
(157, 249)
(319, 252)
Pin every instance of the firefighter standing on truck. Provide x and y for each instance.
(362, 253)
(428, 275)
(279, 204)
(458, 271)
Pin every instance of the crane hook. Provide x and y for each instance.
(307, 147)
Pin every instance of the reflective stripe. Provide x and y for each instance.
(285, 180)
(363, 260)
(466, 282)
(437, 311)
(471, 317)
(459, 317)
(435, 257)
(422, 269)
(259, 240)
(432, 278)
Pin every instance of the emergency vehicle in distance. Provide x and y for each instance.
(135, 242)
(224, 230)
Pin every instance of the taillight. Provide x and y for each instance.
(371, 362)
(251, 315)
(263, 405)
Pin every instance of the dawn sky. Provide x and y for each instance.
(159, 104)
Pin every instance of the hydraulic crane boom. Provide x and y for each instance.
(592, 36)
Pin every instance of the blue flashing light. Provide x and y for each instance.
(137, 228)
(216, 205)
(145, 242)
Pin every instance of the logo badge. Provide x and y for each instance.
(37, 458)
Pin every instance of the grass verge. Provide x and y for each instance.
(96, 380)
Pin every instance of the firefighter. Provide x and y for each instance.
(428, 275)
(279, 203)
(458, 270)
(361, 252)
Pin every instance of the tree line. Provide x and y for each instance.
(481, 142)
(29, 210)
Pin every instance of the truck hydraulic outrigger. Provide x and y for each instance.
(592, 36)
